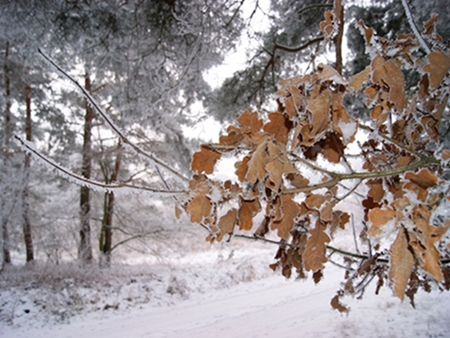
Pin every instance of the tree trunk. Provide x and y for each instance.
(85, 247)
(25, 191)
(106, 233)
(6, 143)
(338, 39)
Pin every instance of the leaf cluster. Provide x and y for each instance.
(401, 186)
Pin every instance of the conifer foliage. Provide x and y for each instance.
(402, 182)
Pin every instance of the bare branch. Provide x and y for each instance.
(81, 180)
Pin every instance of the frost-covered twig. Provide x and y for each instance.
(413, 25)
(29, 148)
(108, 120)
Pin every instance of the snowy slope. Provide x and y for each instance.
(225, 295)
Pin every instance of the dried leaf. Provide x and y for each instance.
(314, 256)
(357, 81)
(226, 223)
(199, 207)
(320, 110)
(327, 25)
(332, 147)
(290, 210)
(315, 200)
(376, 190)
(337, 305)
(279, 126)
(328, 73)
(430, 24)
(277, 165)
(233, 137)
(247, 210)
(445, 155)
(437, 68)
(389, 74)
(402, 262)
(379, 217)
(250, 122)
(424, 178)
(368, 32)
(242, 168)
(297, 180)
(256, 165)
(294, 102)
(205, 160)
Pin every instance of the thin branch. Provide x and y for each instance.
(337, 177)
(307, 8)
(105, 116)
(83, 181)
(413, 25)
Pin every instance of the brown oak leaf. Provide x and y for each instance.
(279, 126)
(290, 210)
(402, 262)
(379, 217)
(205, 160)
(226, 223)
(314, 256)
(247, 210)
(437, 68)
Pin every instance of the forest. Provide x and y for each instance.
(316, 132)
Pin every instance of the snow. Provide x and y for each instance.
(224, 291)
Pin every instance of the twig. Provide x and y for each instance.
(81, 180)
(337, 177)
(413, 25)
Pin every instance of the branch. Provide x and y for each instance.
(307, 8)
(337, 177)
(29, 148)
(413, 25)
(105, 116)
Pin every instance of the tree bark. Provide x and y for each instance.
(85, 247)
(6, 144)
(25, 191)
(339, 10)
(106, 234)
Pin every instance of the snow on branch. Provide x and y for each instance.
(122, 188)
(413, 25)
(108, 120)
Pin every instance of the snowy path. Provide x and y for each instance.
(272, 307)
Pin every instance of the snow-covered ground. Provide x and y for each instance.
(227, 291)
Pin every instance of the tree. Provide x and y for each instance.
(160, 48)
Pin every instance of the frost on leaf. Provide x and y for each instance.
(290, 210)
(256, 164)
(402, 262)
(226, 223)
(279, 126)
(247, 210)
(388, 73)
(314, 256)
(320, 111)
(277, 165)
(205, 160)
(327, 25)
(379, 217)
(357, 81)
(420, 182)
(437, 68)
(199, 206)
